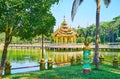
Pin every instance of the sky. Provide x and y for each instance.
(86, 12)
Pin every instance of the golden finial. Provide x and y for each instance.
(86, 43)
(64, 22)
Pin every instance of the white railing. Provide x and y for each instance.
(101, 46)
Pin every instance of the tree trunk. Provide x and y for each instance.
(42, 46)
(96, 55)
(104, 38)
(4, 54)
(112, 37)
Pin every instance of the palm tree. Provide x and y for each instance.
(75, 5)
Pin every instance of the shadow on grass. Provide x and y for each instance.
(71, 72)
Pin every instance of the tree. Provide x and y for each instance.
(2, 38)
(116, 25)
(90, 32)
(118, 39)
(46, 27)
(82, 32)
(104, 32)
(23, 18)
(76, 4)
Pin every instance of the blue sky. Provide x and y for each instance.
(86, 12)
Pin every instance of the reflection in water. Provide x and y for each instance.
(19, 56)
(31, 57)
(24, 64)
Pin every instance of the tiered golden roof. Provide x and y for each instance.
(65, 30)
(65, 34)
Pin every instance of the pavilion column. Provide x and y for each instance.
(65, 39)
(74, 39)
(68, 40)
(56, 39)
(71, 39)
(61, 39)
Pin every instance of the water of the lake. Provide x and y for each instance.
(31, 57)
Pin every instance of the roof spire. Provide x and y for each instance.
(64, 18)
(64, 22)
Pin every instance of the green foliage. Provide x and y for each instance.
(82, 34)
(80, 39)
(26, 18)
(2, 38)
(71, 72)
(118, 39)
(89, 39)
(109, 31)
(117, 18)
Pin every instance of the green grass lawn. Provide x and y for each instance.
(70, 72)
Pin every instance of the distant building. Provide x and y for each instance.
(65, 34)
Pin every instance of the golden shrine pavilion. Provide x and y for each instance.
(65, 34)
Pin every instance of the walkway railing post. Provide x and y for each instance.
(115, 62)
(101, 59)
(42, 64)
(50, 63)
(7, 70)
(78, 60)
